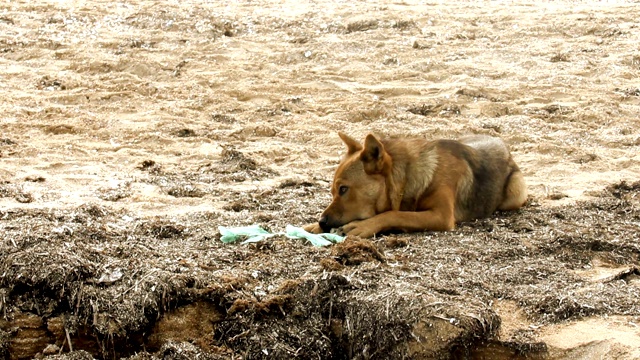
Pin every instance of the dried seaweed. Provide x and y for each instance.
(275, 299)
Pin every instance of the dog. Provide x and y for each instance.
(412, 185)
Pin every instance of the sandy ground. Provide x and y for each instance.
(136, 106)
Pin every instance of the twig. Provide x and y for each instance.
(137, 283)
(3, 307)
(242, 334)
(444, 318)
(434, 303)
(387, 309)
(68, 339)
(621, 275)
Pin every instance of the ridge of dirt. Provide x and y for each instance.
(110, 279)
(131, 131)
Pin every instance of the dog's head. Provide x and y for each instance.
(359, 187)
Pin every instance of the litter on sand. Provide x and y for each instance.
(324, 239)
(255, 233)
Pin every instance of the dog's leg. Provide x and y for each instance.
(515, 192)
(438, 216)
(313, 228)
(407, 221)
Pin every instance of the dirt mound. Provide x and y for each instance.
(114, 284)
(130, 132)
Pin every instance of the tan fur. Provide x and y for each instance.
(516, 193)
(417, 185)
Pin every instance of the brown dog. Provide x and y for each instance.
(417, 185)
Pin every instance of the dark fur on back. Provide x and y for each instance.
(492, 166)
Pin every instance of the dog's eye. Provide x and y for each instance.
(343, 190)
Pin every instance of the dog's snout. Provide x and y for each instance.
(324, 223)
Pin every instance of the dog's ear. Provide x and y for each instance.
(352, 145)
(373, 155)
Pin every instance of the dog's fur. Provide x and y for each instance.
(416, 185)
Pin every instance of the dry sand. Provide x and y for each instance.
(145, 113)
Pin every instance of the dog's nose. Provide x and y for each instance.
(324, 223)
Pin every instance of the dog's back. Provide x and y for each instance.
(481, 190)
(492, 167)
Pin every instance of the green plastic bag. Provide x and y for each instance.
(325, 239)
(255, 233)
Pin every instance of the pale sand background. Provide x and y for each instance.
(91, 89)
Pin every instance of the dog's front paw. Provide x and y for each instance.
(313, 228)
(363, 228)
